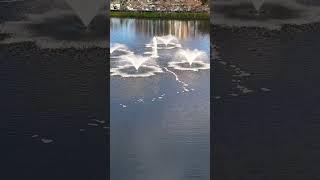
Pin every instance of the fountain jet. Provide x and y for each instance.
(85, 9)
(118, 47)
(136, 60)
(154, 48)
(166, 40)
(190, 55)
(257, 4)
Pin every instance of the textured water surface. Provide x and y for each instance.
(160, 123)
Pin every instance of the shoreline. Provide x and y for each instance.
(161, 15)
(287, 28)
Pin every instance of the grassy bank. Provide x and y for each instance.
(161, 15)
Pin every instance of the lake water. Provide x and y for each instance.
(160, 118)
(266, 105)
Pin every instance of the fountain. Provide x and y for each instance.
(193, 60)
(132, 65)
(118, 47)
(190, 55)
(155, 48)
(86, 11)
(136, 60)
(169, 39)
(257, 5)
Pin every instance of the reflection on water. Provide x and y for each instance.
(160, 123)
(178, 28)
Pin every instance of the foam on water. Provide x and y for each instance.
(126, 72)
(184, 85)
(196, 66)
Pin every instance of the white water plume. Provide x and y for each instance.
(169, 39)
(154, 48)
(118, 47)
(190, 55)
(257, 4)
(190, 60)
(135, 60)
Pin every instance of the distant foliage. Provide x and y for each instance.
(204, 1)
(163, 5)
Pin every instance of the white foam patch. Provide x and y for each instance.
(123, 105)
(46, 141)
(184, 85)
(173, 46)
(120, 71)
(178, 65)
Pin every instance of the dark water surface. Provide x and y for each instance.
(53, 95)
(159, 130)
(266, 107)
